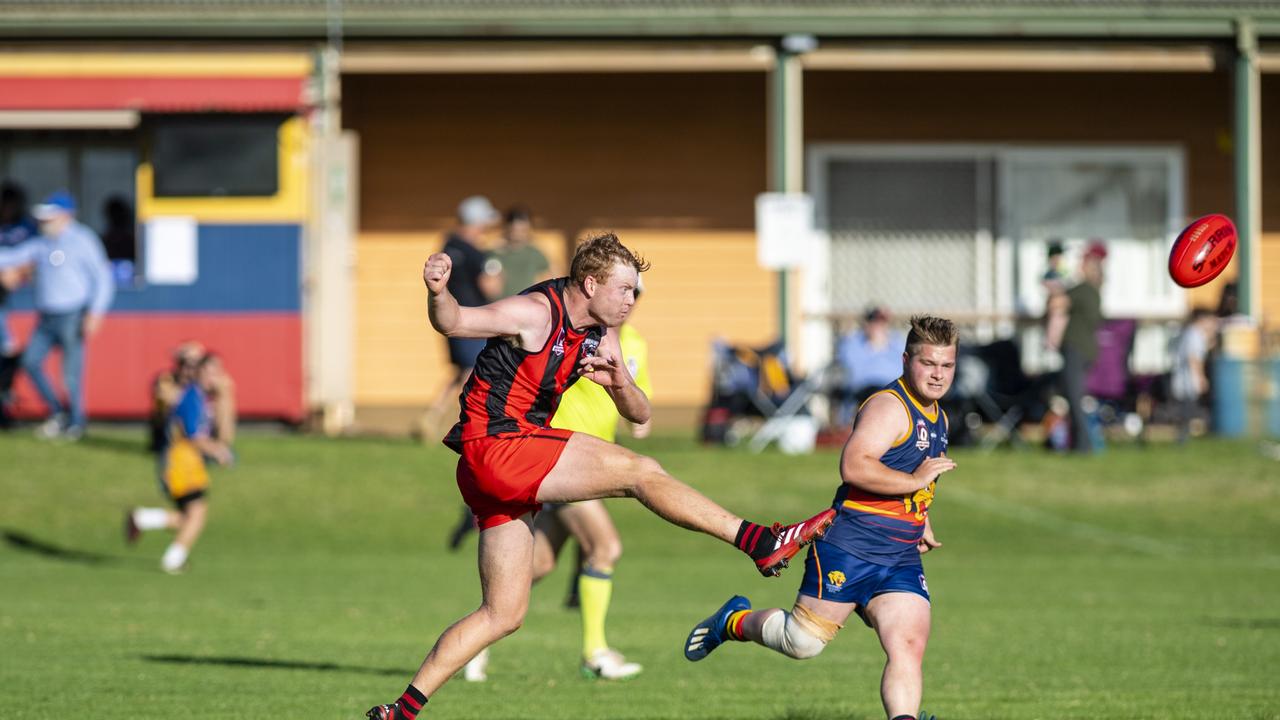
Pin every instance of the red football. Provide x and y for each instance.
(1202, 251)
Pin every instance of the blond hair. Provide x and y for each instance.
(930, 330)
(597, 255)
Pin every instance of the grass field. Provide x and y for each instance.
(1144, 583)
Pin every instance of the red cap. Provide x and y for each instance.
(1097, 249)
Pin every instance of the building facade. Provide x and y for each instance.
(944, 149)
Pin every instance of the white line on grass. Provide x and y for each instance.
(1046, 520)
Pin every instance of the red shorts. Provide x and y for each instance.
(499, 476)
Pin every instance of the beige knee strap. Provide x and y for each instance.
(820, 627)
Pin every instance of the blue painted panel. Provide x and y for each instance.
(243, 268)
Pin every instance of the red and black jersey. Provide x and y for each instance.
(512, 389)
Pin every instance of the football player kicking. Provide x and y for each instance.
(540, 343)
(869, 560)
(586, 407)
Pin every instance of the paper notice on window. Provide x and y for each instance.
(784, 224)
(172, 251)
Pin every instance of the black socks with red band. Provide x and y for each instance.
(754, 540)
(410, 703)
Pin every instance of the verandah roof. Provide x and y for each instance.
(633, 18)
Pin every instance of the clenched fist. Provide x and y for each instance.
(436, 271)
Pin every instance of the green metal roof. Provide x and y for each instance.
(634, 18)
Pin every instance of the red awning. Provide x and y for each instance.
(156, 94)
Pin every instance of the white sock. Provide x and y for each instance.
(151, 518)
(174, 557)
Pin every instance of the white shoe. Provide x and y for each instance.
(609, 664)
(476, 669)
(71, 433)
(50, 429)
(175, 559)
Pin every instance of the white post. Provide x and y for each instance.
(330, 301)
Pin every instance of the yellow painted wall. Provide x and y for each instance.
(1270, 280)
(230, 62)
(399, 359)
(703, 284)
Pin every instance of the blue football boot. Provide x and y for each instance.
(710, 633)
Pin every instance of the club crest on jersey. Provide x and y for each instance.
(557, 348)
(590, 345)
(922, 435)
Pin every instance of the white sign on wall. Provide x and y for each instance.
(784, 225)
(173, 251)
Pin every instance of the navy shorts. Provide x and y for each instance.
(833, 574)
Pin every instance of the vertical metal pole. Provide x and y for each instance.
(786, 125)
(1248, 167)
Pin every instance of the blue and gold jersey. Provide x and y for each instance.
(182, 466)
(884, 529)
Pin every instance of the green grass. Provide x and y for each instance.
(1144, 583)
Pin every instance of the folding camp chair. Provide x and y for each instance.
(1121, 395)
(783, 419)
(753, 383)
(990, 382)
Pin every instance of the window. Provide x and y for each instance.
(215, 155)
(97, 167)
(965, 230)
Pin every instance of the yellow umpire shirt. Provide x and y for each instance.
(587, 408)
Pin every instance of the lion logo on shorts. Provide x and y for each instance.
(836, 578)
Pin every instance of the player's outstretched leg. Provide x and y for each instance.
(590, 468)
(712, 632)
(787, 541)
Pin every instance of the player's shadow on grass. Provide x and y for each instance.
(809, 714)
(26, 543)
(264, 663)
(111, 443)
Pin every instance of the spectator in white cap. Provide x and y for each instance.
(73, 289)
(476, 280)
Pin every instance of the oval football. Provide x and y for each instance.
(1202, 251)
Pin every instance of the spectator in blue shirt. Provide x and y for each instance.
(870, 357)
(16, 227)
(73, 289)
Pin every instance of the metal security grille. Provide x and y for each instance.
(904, 233)
(1128, 198)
